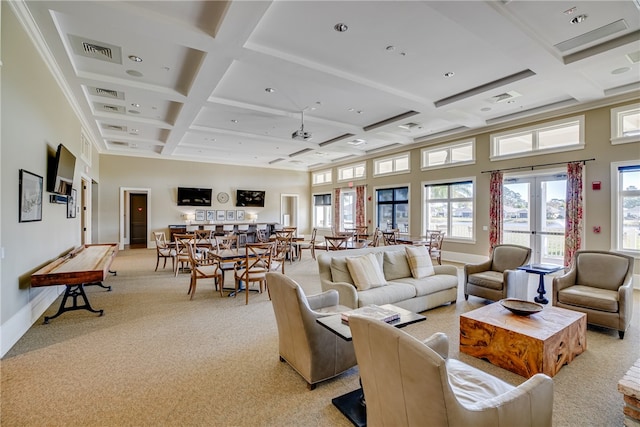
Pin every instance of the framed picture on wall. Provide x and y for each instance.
(71, 204)
(240, 215)
(211, 215)
(231, 215)
(220, 215)
(30, 193)
(200, 215)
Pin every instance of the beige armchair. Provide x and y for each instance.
(599, 284)
(316, 353)
(409, 382)
(491, 279)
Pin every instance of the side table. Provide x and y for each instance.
(541, 270)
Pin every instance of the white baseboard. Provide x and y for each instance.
(462, 258)
(14, 328)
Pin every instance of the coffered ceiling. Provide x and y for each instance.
(230, 81)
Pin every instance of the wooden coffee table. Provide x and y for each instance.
(527, 345)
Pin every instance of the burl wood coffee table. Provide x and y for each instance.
(527, 345)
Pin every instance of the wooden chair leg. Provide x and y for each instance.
(192, 287)
(158, 262)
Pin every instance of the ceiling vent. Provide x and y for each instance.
(503, 97)
(409, 125)
(120, 143)
(115, 127)
(634, 57)
(96, 50)
(275, 161)
(390, 120)
(336, 139)
(301, 152)
(109, 108)
(503, 81)
(107, 93)
(592, 36)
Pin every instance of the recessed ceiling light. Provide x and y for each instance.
(134, 112)
(485, 109)
(578, 19)
(390, 48)
(135, 58)
(449, 74)
(340, 27)
(570, 11)
(234, 121)
(134, 73)
(270, 90)
(621, 70)
(511, 101)
(135, 105)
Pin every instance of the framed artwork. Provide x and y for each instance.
(220, 215)
(30, 202)
(231, 215)
(240, 215)
(200, 215)
(71, 204)
(211, 215)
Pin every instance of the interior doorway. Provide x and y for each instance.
(137, 220)
(125, 214)
(289, 210)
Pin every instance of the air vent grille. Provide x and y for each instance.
(95, 49)
(110, 108)
(408, 126)
(503, 97)
(115, 127)
(301, 152)
(121, 143)
(634, 57)
(107, 92)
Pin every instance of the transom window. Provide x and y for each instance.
(561, 135)
(389, 165)
(456, 153)
(625, 124)
(449, 207)
(322, 177)
(357, 171)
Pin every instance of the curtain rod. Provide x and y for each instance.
(539, 166)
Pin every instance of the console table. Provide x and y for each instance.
(84, 266)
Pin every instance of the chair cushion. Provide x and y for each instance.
(167, 252)
(487, 279)
(472, 386)
(601, 270)
(389, 294)
(588, 297)
(396, 265)
(208, 270)
(340, 271)
(419, 261)
(366, 272)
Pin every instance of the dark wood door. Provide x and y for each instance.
(138, 220)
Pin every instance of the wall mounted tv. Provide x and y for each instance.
(60, 172)
(251, 198)
(194, 196)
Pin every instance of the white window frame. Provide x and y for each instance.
(449, 148)
(328, 207)
(616, 208)
(425, 208)
(535, 131)
(322, 177)
(354, 172)
(394, 162)
(617, 114)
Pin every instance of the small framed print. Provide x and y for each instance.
(211, 215)
(220, 215)
(71, 204)
(30, 201)
(200, 215)
(231, 215)
(240, 215)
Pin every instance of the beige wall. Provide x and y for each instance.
(36, 117)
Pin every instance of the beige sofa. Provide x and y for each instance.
(401, 288)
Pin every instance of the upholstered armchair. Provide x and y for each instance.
(599, 284)
(315, 352)
(491, 278)
(407, 382)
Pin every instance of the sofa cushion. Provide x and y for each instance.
(431, 284)
(419, 261)
(588, 297)
(366, 272)
(395, 265)
(487, 279)
(389, 294)
(340, 271)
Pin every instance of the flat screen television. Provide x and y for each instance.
(61, 171)
(188, 196)
(253, 198)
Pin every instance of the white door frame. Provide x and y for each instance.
(124, 203)
(85, 209)
(283, 197)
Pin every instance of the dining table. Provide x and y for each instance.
(233, 255)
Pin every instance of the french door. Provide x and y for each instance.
(534, 215)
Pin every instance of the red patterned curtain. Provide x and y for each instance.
(360, 213)
(573, 212)
(336, 210)
(496, 214)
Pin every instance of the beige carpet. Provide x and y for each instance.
(157, 358)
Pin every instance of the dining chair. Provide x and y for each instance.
(163, 250)
(226, 242)
(375, 238)
(307, 244)
(284, 243)
(182, 251)
(336, 243)
(390, 237)
(203, 240)
(228, 229)
(435, 245)
(243, 231)
(203, 267)
(253, 267)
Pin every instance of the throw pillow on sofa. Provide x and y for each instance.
(419, 261)
(340, 271)
(366, 272)
(396, 265)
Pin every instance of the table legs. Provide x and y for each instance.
(75, 292)
(541, 291)
(352, 406)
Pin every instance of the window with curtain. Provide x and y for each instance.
(450, 207)
(626, 206)
(392, 205)
(322, 210)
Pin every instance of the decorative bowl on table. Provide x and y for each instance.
(521, 307)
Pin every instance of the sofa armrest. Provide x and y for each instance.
(564, 281)
(325, 299)
(446, 269)
(438, 342)
(347, 293)
(476, 268)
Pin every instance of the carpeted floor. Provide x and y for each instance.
(157, 358)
